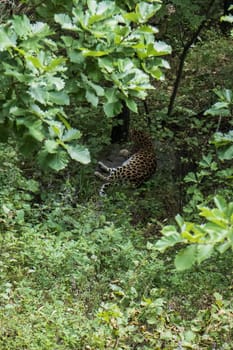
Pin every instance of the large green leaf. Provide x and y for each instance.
(112, 109)
(51, 146)
(39, 93)
(71, 134)
(186, 258)
(145, 11)
(204, 251)
(56, 161)
(22, 25)
(7, 40)
(131, 104)
(159, 48)
(59, 97)
(220, 203)
(65, 21)
(92, 98)
(169, 239)
(227, 18)
(79, 153)
(226, 152)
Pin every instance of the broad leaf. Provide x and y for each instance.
(39, 93)
(22, 25)
(57, 161)
(59, 97)
(65, 21)
(204, 251)
(112, 109)
(226, 152)
(87, 52)
(71, 134)
(7, 40)
(79, 153)
(145, 11)
(220, 203)
(186, 258)
(51, 146)
(92, 98)
(132, 105)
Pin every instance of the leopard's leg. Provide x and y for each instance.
(114, 174)
(101, 176)
(103, 188)
(104, 167)
(105, 185)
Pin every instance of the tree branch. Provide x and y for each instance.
(183, 57)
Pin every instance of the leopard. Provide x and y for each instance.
(139, 166)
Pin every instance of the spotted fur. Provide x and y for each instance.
(138, 168)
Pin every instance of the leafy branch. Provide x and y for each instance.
(216, 233)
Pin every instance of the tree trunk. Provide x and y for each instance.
(121, 130)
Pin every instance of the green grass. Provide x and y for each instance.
(87, 277)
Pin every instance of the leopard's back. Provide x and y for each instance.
(139, 167)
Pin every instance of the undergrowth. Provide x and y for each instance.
(77, 276)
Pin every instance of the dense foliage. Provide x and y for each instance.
(46, 69)
(146, 268)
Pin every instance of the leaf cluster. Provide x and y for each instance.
(97, 53)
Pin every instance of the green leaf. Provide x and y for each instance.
(132, 105)
(57, 83)
(56, 65)
(22, 25)
(65, 21)
(71, 134)
(159, 48)
(92, 98)
(204, 251)
(57, 161)
(191, 177)
(79, 153)
(225, 152)
(38, 93)
(112, 95)
(106, 64)
(220, 105)
(36, 131)
(33, 125)
(35, 62)
(217, 112)
(59, 97)
(131, 16)
(220, 203)
(51, 146)
(186, 258)
(227, 18)
(145, 11)
(7, 40)
(56, 129)
(92, 53)
(171, 237)
(112, 109)
(148, 29)
(167, 242)
(179, 220)
(224, 247)
(97, 88)
(214, 215)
